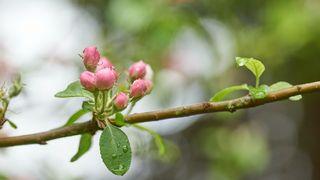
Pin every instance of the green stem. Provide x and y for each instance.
(5, 104)
(157, 138)
(131, 107)
(103, 101)
(109, 99)
(96, 94)
(257, 82)
(153, 133)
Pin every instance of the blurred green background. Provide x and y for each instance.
(197, 41)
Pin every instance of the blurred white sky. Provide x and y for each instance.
(36, 33)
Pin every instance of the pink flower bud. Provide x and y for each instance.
(88, 80)
(138, 88)
(105, 78)
(137, 70)
(104, 63)
(121, 101)
(91, 58)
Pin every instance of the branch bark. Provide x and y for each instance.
(199, 108)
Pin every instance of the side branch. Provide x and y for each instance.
(199, 108)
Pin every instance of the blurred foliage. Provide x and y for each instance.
(234, 152)
(141, 29)
(284, 34)
(3, 177)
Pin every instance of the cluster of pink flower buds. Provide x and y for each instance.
(140, 84)
(101, 76)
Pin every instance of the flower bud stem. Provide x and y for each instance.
(133, 103)
(96, 94)
(5, 104)
(104, 99)
(157, 137)
(257, 82)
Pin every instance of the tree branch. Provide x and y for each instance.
(199, 108)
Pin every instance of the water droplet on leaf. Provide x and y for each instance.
(125, 149)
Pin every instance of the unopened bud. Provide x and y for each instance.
(91, 57)
(137, 70)
(88, 80)
(105, 78)
(121, 101)
(138, 88)
(104, 63)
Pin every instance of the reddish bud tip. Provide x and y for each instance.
(91, 58)
(104, 63)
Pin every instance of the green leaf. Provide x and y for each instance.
(157, 138)
(75, 90)
(115, 150)
(259, 92)
(223, 93)
(16, 87)
(84, 146)
(119, 120)
(254, 65)
(284, 85)
(12, 124)
(88, 105)
(76, 116)
(160, 144)
(295, 98)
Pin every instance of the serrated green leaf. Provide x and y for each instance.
(259, 92)
(12, 124)
(284, 85)
(88, 106)
(115, 150)
(84, 146)
(76, 116)
(223, 93)
(254, 65)
(119, 119)
(75, 90)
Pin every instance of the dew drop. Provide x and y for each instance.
(125, 149)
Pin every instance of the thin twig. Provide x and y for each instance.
(200, 108)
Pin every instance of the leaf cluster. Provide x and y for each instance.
(258, 91)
